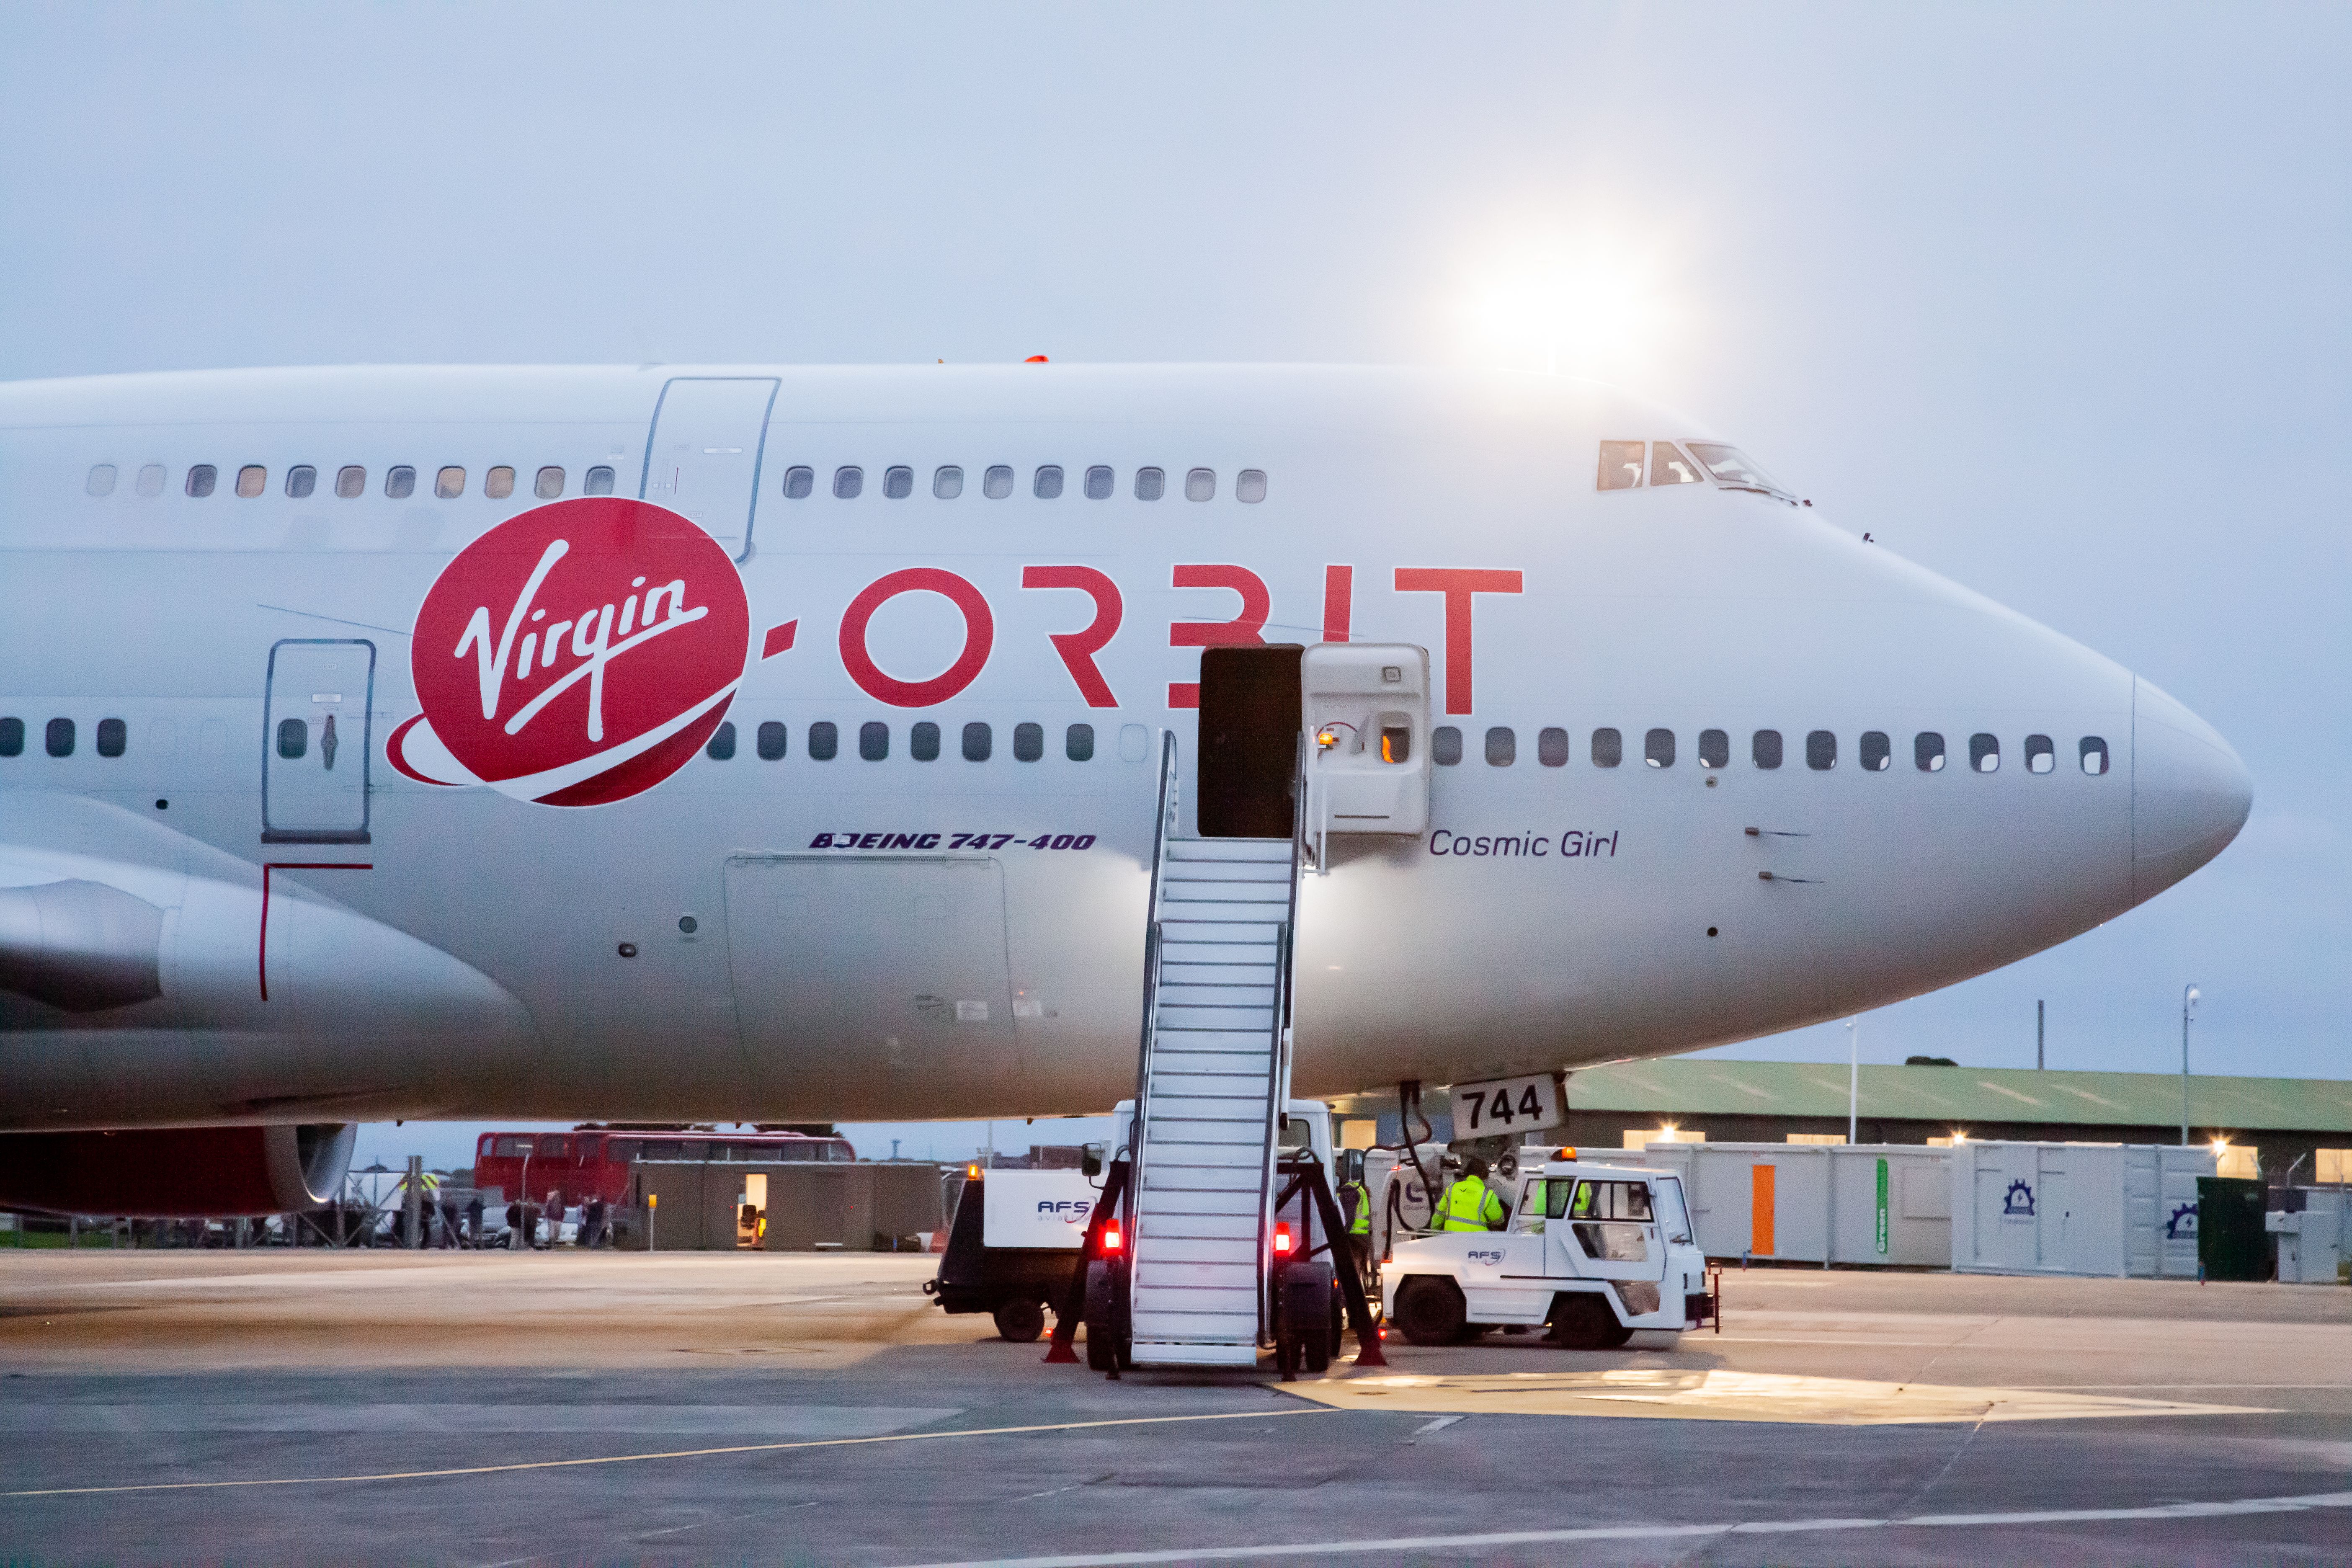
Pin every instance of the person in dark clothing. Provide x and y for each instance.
(514, 1242)
(474, 1220)
(592, 1222)
(449, 1223)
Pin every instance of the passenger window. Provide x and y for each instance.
(1551, 748)
(1764, 748)
(114, 735)
(598, 481)
(151, 479)
(979, 740)
(499, 483)
(400, 483)
(1028, 742)
(1821, 751)
(60, 737)
(1150, 484)
(923, 741)
(1669, 467)
(100, 481)
(947, 482)
(1984, 753)
(449, 484)
(1249, 485)
(200, 481)
(1200, 484)
(848, 482)
(1099, 482)
(293, 739)
(2094, 752)
(1877, 751)
(898, 482)
(2040, 756)
(800, 482)
(1621, 465)
(1445, 745)
(1927, 752)
(1502, 748)
(824, 741)
(722, 747)
(772, 740)
(873, 741)
(301, 481)
(12, 737)
(251, 480)
(1714, 749)
(1658, 748)
(548, 484)
(997, 483)
(350, 482)
(1078, 742)
(1047, 485)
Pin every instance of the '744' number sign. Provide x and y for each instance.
(1507, 1105)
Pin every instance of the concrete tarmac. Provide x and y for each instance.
(496, 1408)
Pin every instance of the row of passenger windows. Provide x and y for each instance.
(1765, 749)
(59, 737)
(350, 481)
(979, 742)
(1046, 483)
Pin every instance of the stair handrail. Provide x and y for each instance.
(1277, 1088)
(1163, 831)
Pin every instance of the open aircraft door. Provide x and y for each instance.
(1366, 707)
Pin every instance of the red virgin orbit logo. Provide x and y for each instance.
(574, 655)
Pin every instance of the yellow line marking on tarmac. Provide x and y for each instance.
(1715, 1394)
(672, 1453)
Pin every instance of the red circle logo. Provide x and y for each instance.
(576, 654)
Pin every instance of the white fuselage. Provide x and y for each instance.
(1553, 915)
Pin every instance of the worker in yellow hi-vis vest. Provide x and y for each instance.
(1468, 1204)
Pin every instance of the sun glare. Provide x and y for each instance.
(1596, 307)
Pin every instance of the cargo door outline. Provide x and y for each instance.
(841, 962)
(317, 741)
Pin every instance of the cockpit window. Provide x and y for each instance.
(1669, 467)
(1732, 469)
(1621, 465)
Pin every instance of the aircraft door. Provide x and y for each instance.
(316, 743)
(1367, 714)
(1248, 741)
(859, 975)
(702, 458)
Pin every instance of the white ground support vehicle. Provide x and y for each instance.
(1592, 1251)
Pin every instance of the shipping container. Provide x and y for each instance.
(2076, 1208)
(1867, 1203)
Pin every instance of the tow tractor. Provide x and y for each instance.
(1591, 1252)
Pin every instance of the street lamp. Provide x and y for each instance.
(1853, 1083)
(2189, 996)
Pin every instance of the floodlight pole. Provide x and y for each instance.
(1853, 1083)
(2189, 994)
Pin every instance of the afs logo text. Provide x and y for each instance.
(576, 654)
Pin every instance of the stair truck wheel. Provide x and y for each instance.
(1020, 1321)
(1582, 1320)
(1103, 1346)
(1429, 1310)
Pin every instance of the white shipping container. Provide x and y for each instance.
(1868, 1204)
(2076, 1208)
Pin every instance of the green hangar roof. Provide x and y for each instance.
(1709, 1086)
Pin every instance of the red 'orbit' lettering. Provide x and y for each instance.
(1457, 584)
(979, 637)
(1079, 648)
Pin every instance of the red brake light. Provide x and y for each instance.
(1281, 1239)
(1112, 1240)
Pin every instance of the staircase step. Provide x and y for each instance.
(1229, 849)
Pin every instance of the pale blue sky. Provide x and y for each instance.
(2050, 298)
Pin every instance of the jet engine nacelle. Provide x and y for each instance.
(180, 1173)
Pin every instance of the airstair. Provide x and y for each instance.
(1213, 1074)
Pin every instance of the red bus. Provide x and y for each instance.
(593, 1162)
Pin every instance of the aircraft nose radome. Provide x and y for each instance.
(2190, 793)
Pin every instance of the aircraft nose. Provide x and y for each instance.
(2190, 791)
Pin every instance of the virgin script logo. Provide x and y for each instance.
(577, 654)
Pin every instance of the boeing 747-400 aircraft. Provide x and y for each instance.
(791, 743)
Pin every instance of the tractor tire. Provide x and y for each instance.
(1103, 1347)
(1429, 1310)
(1582, 1320)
